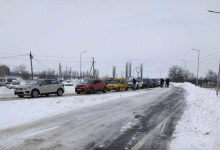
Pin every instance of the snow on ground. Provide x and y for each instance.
(17, 112)
(199, 126)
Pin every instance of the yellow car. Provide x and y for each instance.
(118, 84)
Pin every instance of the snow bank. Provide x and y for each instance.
(199, 126)
(14, 113)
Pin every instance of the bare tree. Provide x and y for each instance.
(127, 70)
(22, 71)
(114, 72)
(141, 70)
(130, 66)
(176, 73)
(211, 76)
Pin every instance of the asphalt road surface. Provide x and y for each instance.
(144, 122)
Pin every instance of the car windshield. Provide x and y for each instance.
(115, 81)
(88, 82)
(34, 82)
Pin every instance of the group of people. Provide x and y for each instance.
(167, 82)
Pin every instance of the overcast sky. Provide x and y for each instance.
(157, 33)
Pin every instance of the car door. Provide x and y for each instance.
(54, 85)
(96, 85)
(44, 86)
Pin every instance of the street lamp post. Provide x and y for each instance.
(198, 65)
(184, 70)
(80, 65)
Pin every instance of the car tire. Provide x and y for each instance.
(47, 95)
(137, 87)
(126, 89)
(78, 92)
(91, 91)
(108, 90)
(59, 92)
(20, 95)
(34, 94)
(104, 90)
(118, 89)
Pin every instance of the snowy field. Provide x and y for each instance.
(199, 126)
(19, 112)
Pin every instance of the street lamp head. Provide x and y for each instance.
(195, 49)
(83, 52)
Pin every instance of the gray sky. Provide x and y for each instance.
(156, 33)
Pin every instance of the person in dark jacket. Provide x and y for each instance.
(134, 84)
(167, 82)
(162, 82)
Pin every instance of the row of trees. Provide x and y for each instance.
(22, 72)
(178, 74)
(128, 70)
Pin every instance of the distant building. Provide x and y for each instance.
(4, 70)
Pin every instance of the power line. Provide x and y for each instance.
(15, 56)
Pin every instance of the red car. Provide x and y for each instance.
(91, 86)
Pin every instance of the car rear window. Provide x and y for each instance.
(115, 81)
(9, 80)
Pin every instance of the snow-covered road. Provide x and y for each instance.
(98, 125)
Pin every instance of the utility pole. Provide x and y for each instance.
(93, 66)
(184, 71)
(218, 80)
(31, 57)
(138, 70)
(198, 66)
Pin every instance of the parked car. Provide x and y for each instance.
(118, 84)
(67, 83)
(107, 81)
(34, 88)
(139, 83)
(91, 86)
(155, 83)
(147, 83)
(5, 81)
(14, 83)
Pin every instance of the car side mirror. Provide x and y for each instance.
(41, 84)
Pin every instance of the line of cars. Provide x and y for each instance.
(45, 87)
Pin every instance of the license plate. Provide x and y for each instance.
(78, 89)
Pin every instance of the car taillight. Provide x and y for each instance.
(18, 83)
(8, 83)
(62, 84)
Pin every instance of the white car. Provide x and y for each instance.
(139, 83)
(34, 88)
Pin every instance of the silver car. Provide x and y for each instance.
(34, 88)
(5, 81)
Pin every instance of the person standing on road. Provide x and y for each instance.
(167, 82)
(162, 82)
(134, 84)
